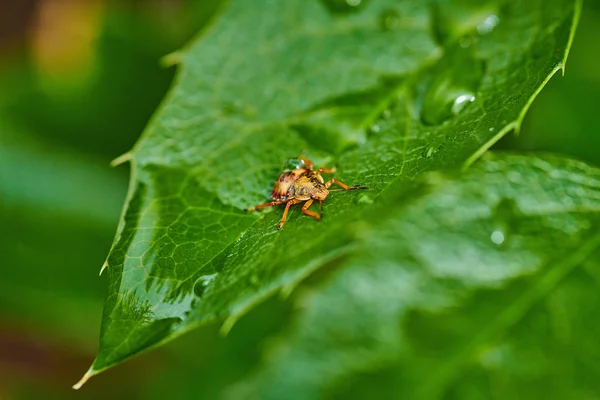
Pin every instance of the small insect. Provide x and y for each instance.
(300, 183)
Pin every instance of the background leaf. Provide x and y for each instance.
(385, 91)
(464, 290)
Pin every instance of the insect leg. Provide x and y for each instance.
(326, 170)
(269, 204)
(285, 212)
(343, 185)
(306, 211)
(307, 162)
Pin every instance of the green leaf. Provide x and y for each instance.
(384, 90)
(483, 285)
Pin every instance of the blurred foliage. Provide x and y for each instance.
(125, 83)
(60, 202)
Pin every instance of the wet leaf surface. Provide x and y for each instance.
(384, 92)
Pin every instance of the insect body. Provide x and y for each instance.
(300, 183)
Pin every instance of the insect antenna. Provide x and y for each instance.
(355, 187)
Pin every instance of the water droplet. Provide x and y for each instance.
(202, 283)
(364, 198)
(461, 102)
(465, 42)
(375, 128)
(488, 24)
(497, 237)
(389, 19)
(386, 114)
(341, 7)
(443, 102)
(492, 129)
(449, 87)
(451, 23)
(507, 217)
(254, 279)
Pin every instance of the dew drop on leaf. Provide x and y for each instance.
(497, 237)
(375, 128)
(364, 198)
(202, 283)
(488, 24)
(506, 216)
(341, 7)
(443, 95)
(461, 102)
(452, 23)
(465, 42)
(443, 102)
(254, 279)
(389, 20)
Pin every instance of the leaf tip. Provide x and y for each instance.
(104, 266)
(171, 59)
(121, 159)
(91, 372)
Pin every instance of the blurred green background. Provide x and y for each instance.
(79, 80)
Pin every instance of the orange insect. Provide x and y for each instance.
(300, 183)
